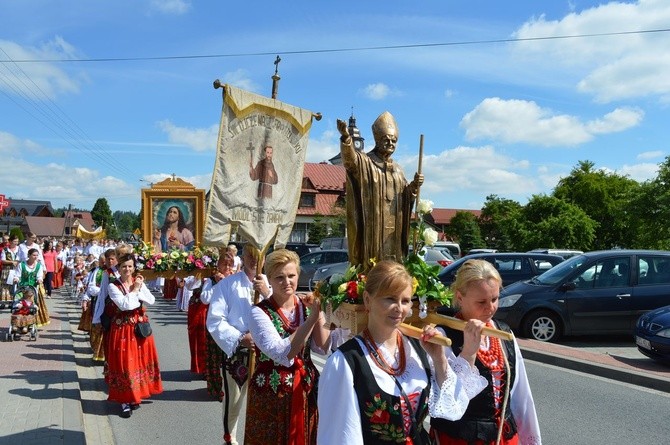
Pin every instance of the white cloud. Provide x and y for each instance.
(171, 6)
(324, 147)
(650, 154)
(38, 82)
(199, 139)
(618, 120)
(512, 121)
(471, 169)
(379, 91)
(240, 79)
(639, 172)
(614, 67)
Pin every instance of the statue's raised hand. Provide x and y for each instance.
(342, 128)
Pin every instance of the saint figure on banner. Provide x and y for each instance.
(264, 172)
(379, 198)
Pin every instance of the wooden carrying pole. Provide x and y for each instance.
(413, 331)
(458, 324)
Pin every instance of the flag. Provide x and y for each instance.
(257, 174)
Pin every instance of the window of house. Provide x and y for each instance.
(307, 200)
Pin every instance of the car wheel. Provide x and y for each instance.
(542, 326)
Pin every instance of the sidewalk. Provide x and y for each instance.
(609, 362)
(39, 384)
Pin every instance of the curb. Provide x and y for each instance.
(73, 414)
(92, 401)
(602, 370)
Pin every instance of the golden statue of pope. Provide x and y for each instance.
(379, 199)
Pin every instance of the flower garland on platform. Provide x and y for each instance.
(426, 287)
(175, 259)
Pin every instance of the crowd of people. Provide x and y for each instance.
(251, 336)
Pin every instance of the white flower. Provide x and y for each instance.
(425, 206)
(342, 288)
(429, 236)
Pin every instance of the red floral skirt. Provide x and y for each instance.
(132, 372)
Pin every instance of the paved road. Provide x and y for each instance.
(185, 414)
(580, 409)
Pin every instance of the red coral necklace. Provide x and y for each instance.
(378, 358)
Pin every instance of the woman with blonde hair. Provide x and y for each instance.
(281, 406)
(505, 412)
(378, 387)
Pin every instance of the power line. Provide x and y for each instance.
(55, 119)
(352, 49)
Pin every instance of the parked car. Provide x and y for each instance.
(454, 248)
(652, 334)
(512, 266)
(436, 257)
(327, 272)
(312, 261)
(439, 256)
(602, 292)
(565, 253)
(334, 243)
(476, 251)
(301, 249)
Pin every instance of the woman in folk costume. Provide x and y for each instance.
(98, 336)
(31, 273)
(61, 258)
(132, 372)
(10, 259)
(379, 387)
(92, 292)
(281, 405)
(504, 413)
(206, 356)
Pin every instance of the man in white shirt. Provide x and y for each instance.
(95, 249)
(227, 322)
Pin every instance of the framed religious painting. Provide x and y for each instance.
(172, 215)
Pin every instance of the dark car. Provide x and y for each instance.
(602, 292)
(652, 334)
(301, 249)
(512, 267)
(312, 261)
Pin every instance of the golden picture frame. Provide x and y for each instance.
(173, 215)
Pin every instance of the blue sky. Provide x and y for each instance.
(500, 114)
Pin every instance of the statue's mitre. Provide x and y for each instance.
(385, 124)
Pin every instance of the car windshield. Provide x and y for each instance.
(560, 271)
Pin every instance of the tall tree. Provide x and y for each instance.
(547, 221)
(650, 211)
(497, 222)
(102, 215)
(605, 197)
(464, 228)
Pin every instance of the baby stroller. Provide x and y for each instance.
(23, 320)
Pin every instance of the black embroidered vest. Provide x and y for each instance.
(381, 413)
(478, 422)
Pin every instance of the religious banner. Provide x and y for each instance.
(96, 234)
(258, 170)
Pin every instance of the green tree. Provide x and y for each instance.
(464, 228)
(318, 230)
(102, 216)
(605, 197)
(547, 221)
(650, 212)
(126, 222)
(497, 222)
(16, 231)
